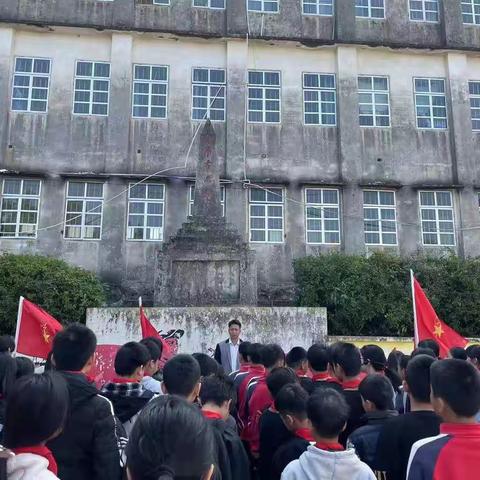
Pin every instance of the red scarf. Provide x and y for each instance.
(321, 377)
(211, 415)
(354, 382)
(125, 380)
(41, 451)
(330, 446)
(305, 433)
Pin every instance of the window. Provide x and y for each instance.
(264, 97)
(92, 86)
(373, 102)
(19, 208)
(161, 2)
(430, 103)
(268, 6)
(474, 88)
(83, 214)
(266, 215)
(370, 8)
(191, 199)
(424, 10)
(30, 85)
(319, 99)
(150, 88)
(379, 217)
(215, 4)
(318, 7)
(436, 211)
(146, 209)
(208, 94)
(471, 12)
(322, 216)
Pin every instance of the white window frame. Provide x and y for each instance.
(266, 204)
(150, 94)
(379, 207)
(92, 79)
(317, 4)
(474, 109)
(31, 75)
(436, 208)
(20, 197)
(431, 106)
(162, 3)
(473, 7)
(264, 87)
(424, 10)
(262, 6)
(84, 199)
(209, 5)
(322, 206)
(373, 92)
(211, 95)
(369, 8)
(191, 199)
(320, 103)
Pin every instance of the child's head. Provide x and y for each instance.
(273, 356)
(473, 353)
(74, 349)
(131, 359)
(328, 413)
(255, 353)
(417, 378)
(455, 390)
(374, 359)
(431, 344)
(457, 352)
(423, 351)
(36, 410)
(345, 360)
(377, 393)
(170, 439)
(153, 365)
(8, 373)
(278, 378)
(297, 359)
(7, 344)
(291, 403)
(218, 391)
(181, 376)
(244, 353)
(318, 356)
(208, 365)
(24, 367)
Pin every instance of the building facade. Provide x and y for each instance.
(349, 125)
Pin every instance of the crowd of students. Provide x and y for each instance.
(333, 412)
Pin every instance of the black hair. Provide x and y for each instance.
(375, 356)
(24, 367)
(474, 353)
(271, 354)
(129, 357)
(470, 349)
(328, 412)
(457, 383)
(278, 378)
(170, 439)
(318, 357)
(152, 347)
(73, 346)
(181, 374)
(295, 357)
(217, 389)
(292, 400)
(394, 359)
(404, 361)
(347, 356)
(8, 374)
(378, 390)
(431, 344)
(7, 344)
(36, 410)
(423, 351)
(255, 353)
(208, 365)
(244, 350)
(234, 322)
(418, 377)
(458, 353)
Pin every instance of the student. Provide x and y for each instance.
(432, 345)
(35, 414)
(24, 367)
(346, 365)
(454, 454)
(8, 375)
(296, 359)
(181, 376)
(423, 351)
(217, 397)
(376, 392)
(291, 403)
(88, 446)
(208, 366)
(473, 354)
(375, 361)
(7, 344)
(273, 431)
(125, 391)
(402, 402)
(328, 413)
(458, 353)
(400, 433)
(318, 358)
(170, 440)
(244, 360)
(152, 367)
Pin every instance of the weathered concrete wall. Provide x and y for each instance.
(205, 327)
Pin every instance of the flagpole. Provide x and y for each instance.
(140, 302)
(415, 325)
(19, 317)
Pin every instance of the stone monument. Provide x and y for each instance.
(206, 263)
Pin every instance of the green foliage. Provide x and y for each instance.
(62, 290)
(372, 296)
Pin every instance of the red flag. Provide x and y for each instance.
(35, 330)
(148, 330)
(428, 325)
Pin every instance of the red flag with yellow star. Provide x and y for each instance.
(35, 330)
(429, 326)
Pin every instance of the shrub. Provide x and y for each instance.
(372, 296)
(62, 290)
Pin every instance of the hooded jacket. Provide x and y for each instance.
(28, 466)
(317, 464)
(88, 447)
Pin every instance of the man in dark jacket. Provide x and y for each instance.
(88, 448)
